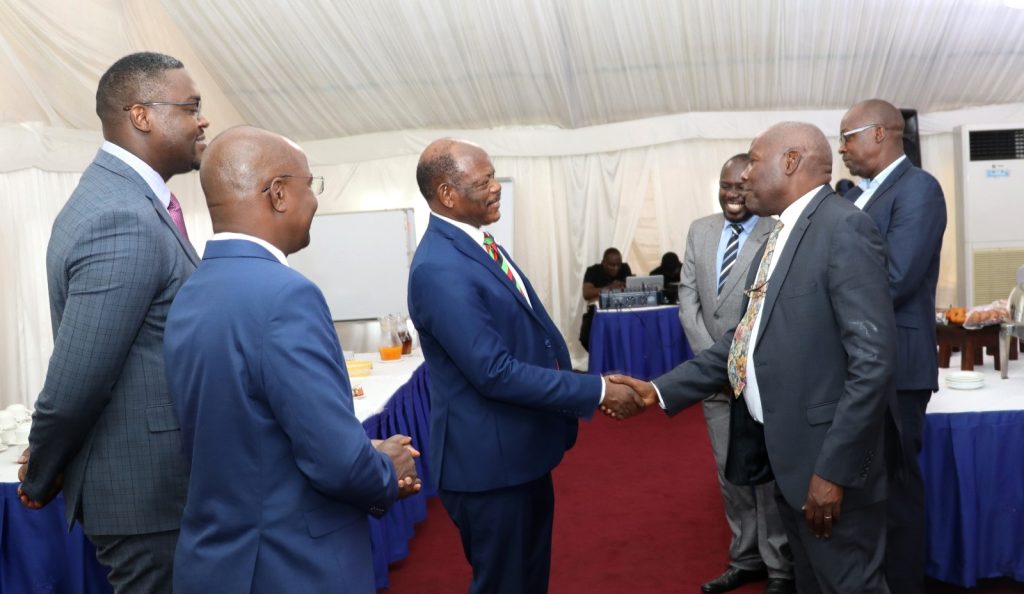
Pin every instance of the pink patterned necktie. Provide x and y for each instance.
(737, 362)
(174, 209)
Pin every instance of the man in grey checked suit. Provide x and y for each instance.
(105, 425)
(719, 251)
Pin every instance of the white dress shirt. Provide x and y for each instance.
(789, 218)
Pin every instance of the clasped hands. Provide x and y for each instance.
(625, 396)
(399, 449)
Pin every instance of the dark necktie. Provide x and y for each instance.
(729, 258)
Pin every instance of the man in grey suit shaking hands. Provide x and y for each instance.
(810, 365)
(104, 425)
(719, 251)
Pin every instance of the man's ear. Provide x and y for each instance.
(278, 195)
(140, 118)
(790, 161)
(446, 194)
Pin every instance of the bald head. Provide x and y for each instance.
(457, 179)
(880, 112)
(787, 161)
(257, 182)
(871, 137)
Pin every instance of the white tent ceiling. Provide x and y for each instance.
(611, 116)
(315, 69)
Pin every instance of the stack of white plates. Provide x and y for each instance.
(965, 380)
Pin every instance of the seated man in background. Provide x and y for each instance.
(611, 273)
(282, 473)
(670, 269)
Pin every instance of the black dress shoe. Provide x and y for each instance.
(780, 586)
(730, 580)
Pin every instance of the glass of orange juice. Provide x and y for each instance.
(390, 343)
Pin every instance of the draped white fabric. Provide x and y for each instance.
(568, 209)
(612, 117)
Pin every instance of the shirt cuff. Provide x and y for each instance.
(604, 384)
(661, 401)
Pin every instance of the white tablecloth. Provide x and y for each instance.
(996, 394)
(383, 381)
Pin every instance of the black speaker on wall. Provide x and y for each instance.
(911, 141)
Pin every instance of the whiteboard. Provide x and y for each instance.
(360, 260)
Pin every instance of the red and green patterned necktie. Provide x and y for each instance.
(737, 362)
(492, 249)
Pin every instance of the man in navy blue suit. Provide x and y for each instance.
(282, 474)
(504, 399)
(908, 206)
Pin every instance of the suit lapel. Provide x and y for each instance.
(853, 194)
(751, 247)
(889, 182)
(119, 167)
(471, 250)
(707, 268)
(785, 259)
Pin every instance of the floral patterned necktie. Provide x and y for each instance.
(737, 362)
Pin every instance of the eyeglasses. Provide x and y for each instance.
(845, 136)
(316, 183)
(195, 105)
(756, 290)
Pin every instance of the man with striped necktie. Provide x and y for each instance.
(719, 250)
(505, 402)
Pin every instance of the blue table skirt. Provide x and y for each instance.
(640, 343)
(408, 413)
(973, 465)
(38, 555)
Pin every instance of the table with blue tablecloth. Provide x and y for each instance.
(642, 342)
(37, 554)
(973, 467)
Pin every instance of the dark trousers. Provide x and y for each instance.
(907, 531)
(139, 563)
(850, 562)
(506, 536)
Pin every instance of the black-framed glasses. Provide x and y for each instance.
(845, 136)
(197, 105)
(316, 182)
(756, 290)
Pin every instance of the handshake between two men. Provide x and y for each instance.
(625, 396)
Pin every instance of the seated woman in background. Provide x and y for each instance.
(670, 268)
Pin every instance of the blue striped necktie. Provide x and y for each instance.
(729, 258)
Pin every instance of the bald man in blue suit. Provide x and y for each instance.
(504, 399)
(282, 473)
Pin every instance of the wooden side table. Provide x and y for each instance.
(972, 344)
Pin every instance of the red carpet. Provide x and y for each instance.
(637, 512)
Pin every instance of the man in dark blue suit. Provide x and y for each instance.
(908, 206)
(504, 399)
(282, 473)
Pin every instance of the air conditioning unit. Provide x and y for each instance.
(990, 221)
